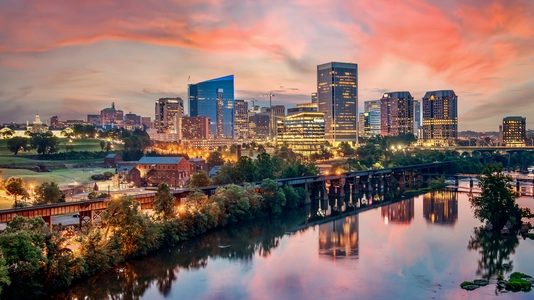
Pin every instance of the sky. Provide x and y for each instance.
(73, 58)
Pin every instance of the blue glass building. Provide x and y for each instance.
(214, 99)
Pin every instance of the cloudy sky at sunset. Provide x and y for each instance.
(72, 58)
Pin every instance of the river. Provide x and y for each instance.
(418, 248)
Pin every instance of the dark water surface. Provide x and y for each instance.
(419, 248)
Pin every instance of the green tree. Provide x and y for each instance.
(346, 149)
(215, 159)
(496, 202)
(246, 170)
(234, 203)
(292, 197)
(266, 167)
(4, 274)
(164, 202)
(273, 196)
(45, 143)
(199, 179)
(132, 232)
(225, 175)
(14, 186)
(18, 143)
(102, 145)
(48, 193)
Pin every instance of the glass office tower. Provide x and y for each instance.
(214, 99)
(396, 114)
(337, 95)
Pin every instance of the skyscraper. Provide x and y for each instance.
(514, 131)
(337, 94)
(396, 114)
(241, 119)
(168, 113)
(417, 115)
(214, 98)
(440, 118)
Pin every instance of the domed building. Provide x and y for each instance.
(37, 126)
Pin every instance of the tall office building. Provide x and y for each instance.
(241, 119)
(396, 114)
(214, 99)
(108, 116)
(417, 115)
(168, 113)
(314, 98)
(514, 131)
(337, 96)
(302, 131)
(370, 124)
(373, 105)
(440, 118)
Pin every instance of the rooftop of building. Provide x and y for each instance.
(440, 93)
(165, 160)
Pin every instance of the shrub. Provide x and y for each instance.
(466, 283)
(98, 177)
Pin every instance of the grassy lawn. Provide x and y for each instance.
(30, 158)
(62, 177)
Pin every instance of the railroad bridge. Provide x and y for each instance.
(317, 187)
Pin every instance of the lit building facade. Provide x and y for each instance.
(514, 131)
(132, 119)
(303, 132)
(93, 119)
(417, 115)
(373, 105)
(370, 124)
(339, 238)
(441, 207)
(399, 213)
(214, 99)
(241, 119)
(314, 98)
(108, 116)
(168, 111)
(396, 114)
(440, 118)
(195, 128)
(337, 96)
(259, 126)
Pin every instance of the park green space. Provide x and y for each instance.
(30, 158)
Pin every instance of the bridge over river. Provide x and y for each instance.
(319, 187)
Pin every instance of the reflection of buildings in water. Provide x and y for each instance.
(441, 207)
(339, 238)
(400, 212)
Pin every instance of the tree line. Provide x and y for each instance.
(35, 261)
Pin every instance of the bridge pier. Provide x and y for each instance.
(456, 181)
(48, 219)
(470, 182)
(517, 185)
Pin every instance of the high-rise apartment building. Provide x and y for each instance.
(396, 114)
(337, 96)
(214, 99)
(241, 119)
(514, 131)
(169, 111)
(440, 118)
(195, 128)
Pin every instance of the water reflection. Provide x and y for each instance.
(441, 207)
(401, 212)
(494, 249)
(339, 238)
(240, 242)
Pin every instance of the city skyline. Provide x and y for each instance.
(65, 58)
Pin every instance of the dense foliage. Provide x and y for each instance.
(37, 262)
(48, 193)
(496, 202)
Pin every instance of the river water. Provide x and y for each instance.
(418, 248)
